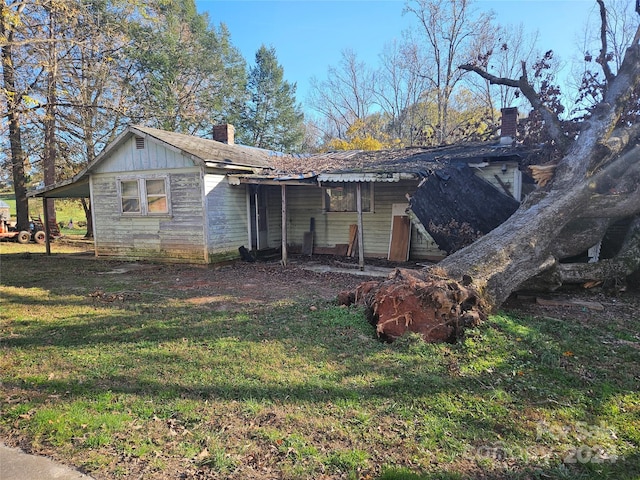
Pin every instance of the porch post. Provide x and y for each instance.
(283, 193)
(256, 217)
(247, 193)
(360, 235)
(47, 242)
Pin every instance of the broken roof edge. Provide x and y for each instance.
(309, 178)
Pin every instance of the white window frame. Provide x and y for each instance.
(325, 203)
(143, 196)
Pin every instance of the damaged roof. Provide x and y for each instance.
(410, 160)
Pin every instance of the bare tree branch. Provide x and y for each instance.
(602, 58)
(552, 122)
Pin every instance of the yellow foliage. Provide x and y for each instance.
(356, 143)
(359, 137)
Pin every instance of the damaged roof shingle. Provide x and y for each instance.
(405, 160)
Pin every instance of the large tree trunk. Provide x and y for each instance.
(49, 161)
(86, 205)
(14, 100)
(597, 182)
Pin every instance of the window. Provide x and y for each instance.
(144, 196)
(130, 194)
(343, 198)
(156, 196)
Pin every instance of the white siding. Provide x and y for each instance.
(226, 209)
(511, 177)
(274, 216)
(179, 237)
(332, 228)
(154, 156)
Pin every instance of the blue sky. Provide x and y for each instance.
(309, 35)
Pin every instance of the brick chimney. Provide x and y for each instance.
(509, 125)
(224, 133)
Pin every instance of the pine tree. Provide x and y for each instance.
(271, 118)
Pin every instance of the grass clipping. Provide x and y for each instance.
(424, 302)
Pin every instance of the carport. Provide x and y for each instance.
(76, 187)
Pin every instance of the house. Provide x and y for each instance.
(164, 196)
(172, 197)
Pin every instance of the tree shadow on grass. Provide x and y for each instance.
(228, 350)
(627, 468)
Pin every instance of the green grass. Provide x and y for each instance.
(147, 383)
(66, 209)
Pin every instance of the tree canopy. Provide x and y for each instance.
(74, 73)
(271, 118)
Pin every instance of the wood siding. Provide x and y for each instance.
(154, 156)
(332, 228)
(226, 211)
(179, 237)
(511, 177)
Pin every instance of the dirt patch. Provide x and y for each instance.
(248, 282)
(267, 282)
(588, 306)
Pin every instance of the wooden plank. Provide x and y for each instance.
(503, 185)
(341, 249)
(570, 303)
(307, 244)
(356, 246)
(400, 235)
(353, 236)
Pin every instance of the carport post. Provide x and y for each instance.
(45, 204)
(360, 234)
(283, 192)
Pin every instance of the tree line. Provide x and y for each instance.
(417, 94)
(75, 72)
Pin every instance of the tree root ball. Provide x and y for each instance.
(424, 302)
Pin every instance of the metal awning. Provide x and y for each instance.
(366, 177)
(66, 189)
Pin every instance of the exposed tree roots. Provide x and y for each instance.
(425, 302)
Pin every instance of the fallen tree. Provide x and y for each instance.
(593, 184)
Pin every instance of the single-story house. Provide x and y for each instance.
(167, 196)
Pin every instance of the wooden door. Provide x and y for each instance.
(400, 234)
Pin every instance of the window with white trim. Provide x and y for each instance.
(144, 196)
(344, 197)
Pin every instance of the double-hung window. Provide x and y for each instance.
(144, 196)
(343, 197)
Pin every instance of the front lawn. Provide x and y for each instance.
(158, 372)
